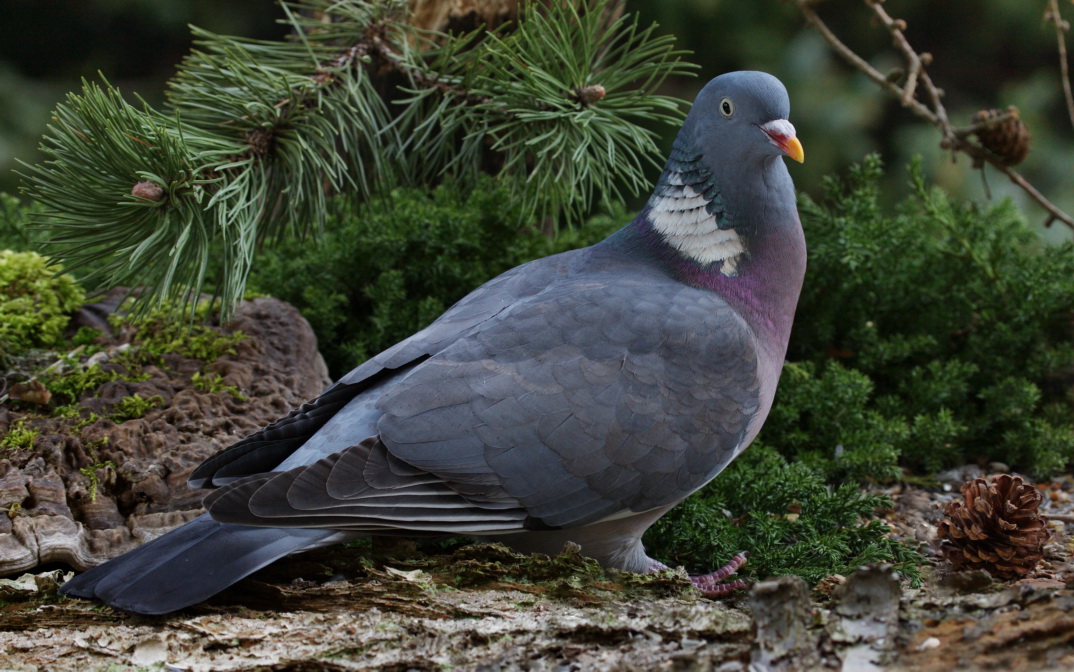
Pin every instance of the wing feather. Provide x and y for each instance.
(398, 502)
(613, 392)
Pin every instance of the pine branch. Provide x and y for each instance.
(256, 136)
(563, 146)
(102, 219)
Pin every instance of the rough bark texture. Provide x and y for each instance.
(786, 640)
(468, 15)
(80, 497)
(485, 608)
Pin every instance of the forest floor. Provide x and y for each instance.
(485, 608)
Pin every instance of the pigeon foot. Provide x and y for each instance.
(711, 584)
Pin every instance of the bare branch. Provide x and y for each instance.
(935, 94)
(848, 54)
(1061, 27)
(955, 139)
(913, 61)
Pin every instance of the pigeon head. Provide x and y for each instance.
(742, 117)
(725, 183)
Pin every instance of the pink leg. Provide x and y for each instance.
(709, 584)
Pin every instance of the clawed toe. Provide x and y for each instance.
(711, 585)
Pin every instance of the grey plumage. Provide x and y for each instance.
(576, 397)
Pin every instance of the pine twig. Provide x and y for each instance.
(422, 77)
(1061, 27)
(954, 138)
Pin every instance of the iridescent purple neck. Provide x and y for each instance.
(765, 290)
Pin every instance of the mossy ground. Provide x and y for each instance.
(395, 606)
(343, 609)
(51, 384)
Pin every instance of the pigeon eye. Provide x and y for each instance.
(727, 108)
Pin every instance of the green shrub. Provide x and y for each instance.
(90, 473)
(386, 270)
(36, 301)
(788, 519)
(928, 336)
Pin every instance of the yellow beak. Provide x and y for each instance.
(794, 149)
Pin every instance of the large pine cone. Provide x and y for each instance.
(998, 529)
(1008, 140)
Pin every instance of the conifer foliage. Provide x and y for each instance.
(256, 136)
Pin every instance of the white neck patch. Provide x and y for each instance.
(680, 214)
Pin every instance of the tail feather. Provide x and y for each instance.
(190, 564)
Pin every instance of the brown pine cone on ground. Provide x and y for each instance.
(998, 528)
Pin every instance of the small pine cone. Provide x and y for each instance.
(589, 95)
(999, 527)
(1009, 139)
(148, 190)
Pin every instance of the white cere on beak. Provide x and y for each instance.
(779, 131)
(780, 128)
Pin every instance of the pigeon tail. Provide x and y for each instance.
(190, 564)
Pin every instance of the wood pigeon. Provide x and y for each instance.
(577, 397)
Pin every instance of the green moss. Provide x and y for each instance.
(82, 416)
(18, 437)
(568, 575)
(90, 473)
(213, 382)
(165, 331)
(154, 338)
(71, 385)
(35, 301)
(483, 563)
(86, 337)
(134, 406)
(158, 335)
(66, 411)
(91, 447)
(86, 420)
